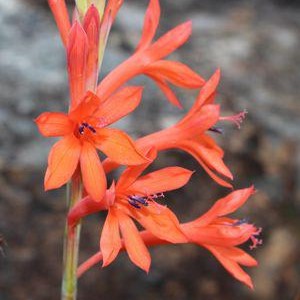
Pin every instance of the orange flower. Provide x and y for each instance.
(147, 60)
(133, 197)
(83, 131)
(189, 134)
(219, 234)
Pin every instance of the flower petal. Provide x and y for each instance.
(231, 266)
(207, 93)
(136, 249)
(93, 175)
(60, 13)
(77, 52)
(110, 241)
(130, 174)
(83, 208)
(86, 108)
(226, 205)
(54, 124)
(91, 25)
(120, 104)
(62, 162)
(208, 159)
(119, 147)
(161, 222)
(169, 42)
(160, 181)
(151, 22)
(177, 73)
(162, 84)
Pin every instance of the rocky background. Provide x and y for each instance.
(256, 44)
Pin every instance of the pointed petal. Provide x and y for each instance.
(197, 123)
(207, 93)
(93, 175)
(91, 25)
(170, 41)
(130, 174)
(54, 124)
(60, 13)
(87, 106)
(151, 22)
(161, 222)
(238, 255)
(120, 104)
(167, 179)
(177, 73)
(62, 162)
(83, 208)
(110, 242)
(226, 205)
(119, 147)
(231, 266)
(162, 84)
(136, 249)
(77, 52)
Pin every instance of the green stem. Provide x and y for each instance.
(71, 244)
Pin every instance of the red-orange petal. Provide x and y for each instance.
(91, 25)
(130, 174)
(110, 241)
(207, 93)
(161, 222)
(170, 41)
(119, 147)
(226, 205)
(60, 13)
(177, 73)
(162, 84)
(231, 266)
(93, 175)
(62, 162)
(136, 249)
(160, 181)
(151, 22)
(120, 104)
(53, 124)
(87, 106)
(77, 53)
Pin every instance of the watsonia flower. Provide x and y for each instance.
(83, 131)
(191, 135)
(133, 197)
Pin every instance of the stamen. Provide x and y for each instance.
(86, 125)
(137, 201)
(236, 119)
(216, 129)
(240, 222)
(81, 129)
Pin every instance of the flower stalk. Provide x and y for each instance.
(71, 243)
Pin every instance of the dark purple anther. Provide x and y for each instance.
(216, 129)
(136, 201)
(91, 128)
(240, 222)
(81, 129)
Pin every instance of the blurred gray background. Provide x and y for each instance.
(256, 44)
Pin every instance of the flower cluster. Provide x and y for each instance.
(134, 196)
